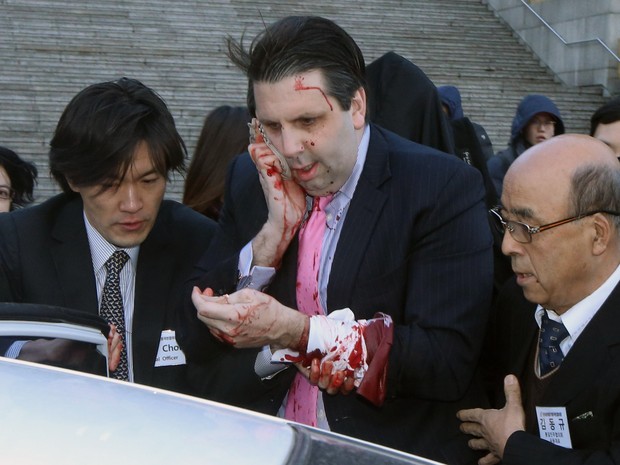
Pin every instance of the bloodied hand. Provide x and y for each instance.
(286, 202)
(249, 318)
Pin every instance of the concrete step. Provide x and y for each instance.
(51, 49)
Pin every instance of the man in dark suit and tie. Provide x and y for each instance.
(554, 344)
(112, 152)
(398, 294)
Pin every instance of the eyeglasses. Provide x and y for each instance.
(6, 193)
(522, 232)
(545, 124)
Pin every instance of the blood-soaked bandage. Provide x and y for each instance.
(359, 348)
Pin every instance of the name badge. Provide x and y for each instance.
(553, 425)
(169, 352)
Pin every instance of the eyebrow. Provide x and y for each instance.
(521, 212)
(297, 118)
(148, 173)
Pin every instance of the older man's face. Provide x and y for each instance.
(550, 268)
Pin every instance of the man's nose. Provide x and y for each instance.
(131, 200)
(291, 142)
(509, 245)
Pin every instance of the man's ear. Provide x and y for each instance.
(72, 186)
(358, 108)
(603, 230)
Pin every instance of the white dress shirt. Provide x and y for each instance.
(576, 318)
(101, 250)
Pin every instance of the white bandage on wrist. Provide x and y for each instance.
(336, 338)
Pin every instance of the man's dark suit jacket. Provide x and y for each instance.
(587, 382)
(45, 258)
(415, 244)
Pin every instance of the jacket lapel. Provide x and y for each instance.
(590, 355)
(523, 331)
(156, 264)
(364, 211)
(72, 259)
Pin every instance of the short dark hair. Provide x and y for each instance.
(596, 187)
(100, 129)
(23, 176)
(298, 44)
(605, 114)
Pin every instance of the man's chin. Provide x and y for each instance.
(128, 240)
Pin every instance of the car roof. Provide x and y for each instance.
(56, 416)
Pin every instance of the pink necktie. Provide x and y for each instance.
(302, 396)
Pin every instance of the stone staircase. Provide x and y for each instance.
(51, 49)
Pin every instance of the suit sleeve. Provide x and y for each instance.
(216, 370)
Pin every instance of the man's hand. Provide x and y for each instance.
(286, 203)
(60, 352)
(492, 428)
(249, 318)
(322, 376)
(115, 348)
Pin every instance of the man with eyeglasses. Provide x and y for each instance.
(536, 120)
(554, 338)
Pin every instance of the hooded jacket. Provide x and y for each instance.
(451, 98)
(402, 99)
(530, 106)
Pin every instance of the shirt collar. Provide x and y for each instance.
(101, 249)
(579, 315)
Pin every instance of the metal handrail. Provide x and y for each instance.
(562, 38)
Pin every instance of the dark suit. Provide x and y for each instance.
(588, 380)
(415, 244)
(45, 258)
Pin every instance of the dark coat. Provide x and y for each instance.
(587, 382)
(402, 99)
(415, 244)
(45, 258)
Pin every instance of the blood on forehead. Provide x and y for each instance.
(299, 85)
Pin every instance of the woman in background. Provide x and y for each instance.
(17, 180)
(224, 135)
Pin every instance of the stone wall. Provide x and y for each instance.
(584, 61)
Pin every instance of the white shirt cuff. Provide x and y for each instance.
(264, 367)
(253, 277)
(15, 349)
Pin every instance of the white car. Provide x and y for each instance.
(57, 416)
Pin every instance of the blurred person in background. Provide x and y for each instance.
(605, 124)
(452, 106)
(536, 120)
(17, 180)
(224, 135)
